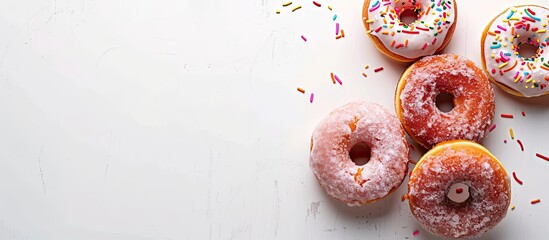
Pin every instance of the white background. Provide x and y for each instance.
(124, 119)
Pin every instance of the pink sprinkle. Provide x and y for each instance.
(434, 41)
(303, 37)
(378, 69)
(523, 114)
(504, 141)
(312, 97)
(337, 28)
(338, 80)
(424, 46)
(416, 232)
(492, 127)
(374, 8)
(502, 28)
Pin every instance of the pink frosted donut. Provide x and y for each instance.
(359, 124)
(459, 162)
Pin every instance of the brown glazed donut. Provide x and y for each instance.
(467, 163)
(473, 100)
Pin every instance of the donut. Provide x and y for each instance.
(473, 100)
(429, 34)
(354, 124)
(462, 162)
(523, 76)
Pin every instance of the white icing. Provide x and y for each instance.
(529, 76)
(435, 19)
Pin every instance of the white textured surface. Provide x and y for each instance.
(125, 119)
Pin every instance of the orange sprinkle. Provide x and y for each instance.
(535, 201)
(511, 67)
(392, 43)
(359, 174)
(338, 36)
(404, 197)
(300, 90)
(333, 79)
(364, 74)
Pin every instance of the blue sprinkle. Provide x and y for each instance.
(335, 17)
(531, 16)
(510, 14)
(507, 54)
(495, 46)
(439, 10)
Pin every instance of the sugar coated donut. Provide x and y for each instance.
(430, 33)
(524, 76)
(461, 162)
(358, 123)
(473, 100)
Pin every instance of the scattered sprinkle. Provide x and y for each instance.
(535, 201)
(523, 114)
(287, 4)
(504, 115)
(415, 233)
(333, 79)
(542, 157)
(338, 80)
(334, 17)
(366, 67)
(404, 197)
(303, 37)
(342, 33)
(492, 127)
(459, 190)
(312, 97)
(337, 28)
(378, 69)
(516, 178)
(513, 207)
(317, 4)
(511, 133)
(300, 90)
(277, 11)
(504, 141)
(296, 8)
(520, 144)
(364, 74)
(330, 7)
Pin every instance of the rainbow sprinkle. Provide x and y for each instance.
(312, 97)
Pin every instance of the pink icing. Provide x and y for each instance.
(335, 135)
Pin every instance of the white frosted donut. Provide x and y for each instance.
(331, 143)
(430, 33)
(523, 76)
(459, 162)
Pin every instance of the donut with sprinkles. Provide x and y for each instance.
(501, 44)
(407, 42)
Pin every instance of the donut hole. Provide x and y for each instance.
(408, 16)
(527, 50)
(445, 102)
(458, 193)
(360, 154)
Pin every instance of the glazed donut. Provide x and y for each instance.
(429, 34)
(473, 100)
(331, 144)
(462, 162)
(522, 76)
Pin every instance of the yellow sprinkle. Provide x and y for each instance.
(505, 20)
(391, 26)
(503, 65)
(544, 25)
(514, 19)
(287, 4)
(385, 20)
(406, 42)
(516, 79)
(492, 55)
(366, 67)
(505, 45)
(370, 21)
(529, 80)
(541, 31)
(511, 133)
(298, 7)
(513, 207)
(277, 11)
(497, 37)
(330, 7)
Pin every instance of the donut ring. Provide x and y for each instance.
(429, 34)
(501, 39)
(463, 162)
(415, 100)
(331, 143)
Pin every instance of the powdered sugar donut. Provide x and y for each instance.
(430, 33)
(459, 162)
(359, 124)
(524, 76)
(473, 100)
